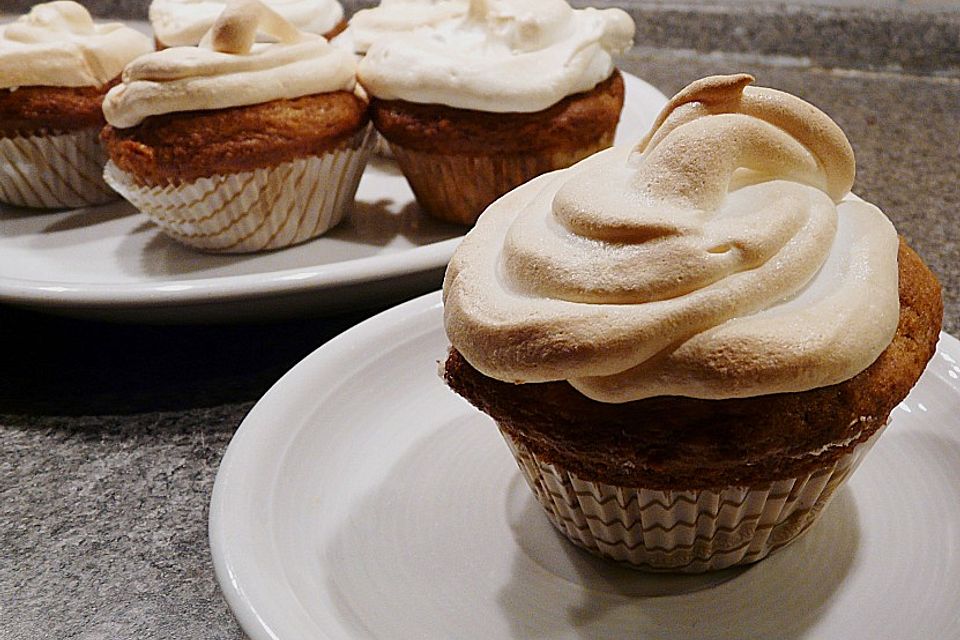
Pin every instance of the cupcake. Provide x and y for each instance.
(236, 146)
(179, 23)
(475, 106)
(56, 64)
(689, 345)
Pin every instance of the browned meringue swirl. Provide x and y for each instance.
(723, 256)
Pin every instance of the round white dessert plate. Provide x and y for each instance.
(361, 498)
(111, 262)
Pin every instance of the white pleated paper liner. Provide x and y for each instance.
(54, 171)
(682, 531)
(382, 147)
(255, 210)
(457, 188)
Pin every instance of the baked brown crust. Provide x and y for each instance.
(38, 110)
(673, 442)
(181, 147)
(337, 30)
(576, 121)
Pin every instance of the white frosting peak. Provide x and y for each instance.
(501, 56)
(184, 22)
(724, 256)
(58, 44)
(230, 69)
(399, 16)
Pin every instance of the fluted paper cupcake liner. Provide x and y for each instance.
(54, 171)
(457, 188)
(682, 531)
(254, 210)
(382, 148)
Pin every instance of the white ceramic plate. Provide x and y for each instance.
(111, 262)
(362, 499)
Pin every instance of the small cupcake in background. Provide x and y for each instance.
(690, 345)
(474, 106)
(236, 146)
(56, 65)
(179, 23)
(392, 17)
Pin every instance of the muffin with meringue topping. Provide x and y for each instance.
(183, 23)
(689, 345)
(238, 146)
(56, 65)
(476, 105)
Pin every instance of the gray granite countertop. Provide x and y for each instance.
(110, 435)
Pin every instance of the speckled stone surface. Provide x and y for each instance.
(102, 525)
(110, 435)
(889, 35)
(891, 39)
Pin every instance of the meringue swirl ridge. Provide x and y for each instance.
(499, 56)
(724, 256)
(180, 23)
(230, 68)
(57, 44)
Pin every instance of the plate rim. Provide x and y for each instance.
(210, 290)
(268, 284)
(395, 320)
